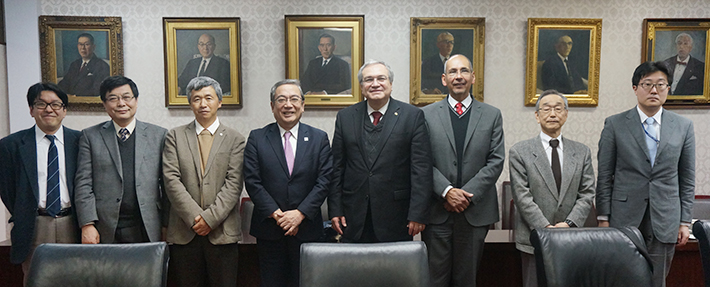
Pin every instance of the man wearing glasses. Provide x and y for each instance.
(433, 66)
(37, 168)
(647, 169)
(118, 180)
(209, 65)
(86, 73)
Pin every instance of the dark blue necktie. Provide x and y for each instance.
(53, 203)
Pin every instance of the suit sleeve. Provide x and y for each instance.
(606, 157)
(164, 201)
(335, 196)
(686, 175)
(180, 200)
(84, 197)
(585, 192)
(7, 176)
(529, 210)
(263, 202)
(343, 82)
(483, 183)
(229, 194)
(312, 203)
(421, 171)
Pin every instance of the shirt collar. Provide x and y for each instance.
(382, 110)
(130, 127)
(687, 59)
(466, 102)
(294, 130)
(643, 116)
(546, 140)
(442, 57)
(212, 128)
(562, 57)
(59, 134)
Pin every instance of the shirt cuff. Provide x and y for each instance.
(686, 224)
(446, 190)
(603, 217)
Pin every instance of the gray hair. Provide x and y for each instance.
(198, 83)
(470, 64)
(297, 83)
(373, 62)
(551, 92)
(677, 38)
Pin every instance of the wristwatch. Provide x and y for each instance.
(570, 223)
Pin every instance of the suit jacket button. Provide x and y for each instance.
(118, 200)
(370, 174)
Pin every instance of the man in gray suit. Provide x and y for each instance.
(647, 169)
(118, 180)
(202, 167)
(552, 179)
(468, 151)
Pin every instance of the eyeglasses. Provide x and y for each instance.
(42, 105)
(659, 86)
(447, 42)
(294, 100)
(464, 72)
(370, 80)
(125, 98)
(201, 45)
(548, 109)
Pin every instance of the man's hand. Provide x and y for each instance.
(562, 224)
(200, 227)
(683, 235)
(89, 234)
(415, 228)
(337, 222)
(458, 199)
(290, 221)
(603, 223)
(277, 214)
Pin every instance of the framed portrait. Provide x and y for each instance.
(325, 54)
(209, 47)
(78, 53)
(564, 55)
(433, 41)
(681, 44)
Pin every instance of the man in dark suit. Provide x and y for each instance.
(381, 164)
(558, 73)
(647, 169)
(37, 168)
(326, 72)
(433, 66)
(552, 179)
(287, 173)
(687, 74)
(118, 181)
(86, 73)
(209, 65)
(468, 151)
(202, 167)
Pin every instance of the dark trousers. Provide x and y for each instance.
(201, 263)
(279, 261)
(368, 231)
(131, 234)
(661, 253)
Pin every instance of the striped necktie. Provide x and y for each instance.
(53, 205)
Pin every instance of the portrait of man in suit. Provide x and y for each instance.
(646, 166)
(687, 74)
(468, 152)
(327, 72)
(84, 76)
(381, 164)
(37, 167)
(119, 197)
(208, 65)
(563, 72)
(433, 67)
(202, 168)
(288, 167)
(552, 179)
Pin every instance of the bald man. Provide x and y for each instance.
(558, 73)
(433, 67)
(686, 73)
(209, 65)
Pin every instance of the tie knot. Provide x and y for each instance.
(123, 131)
(650, 121)
(205, 132)
(51, 138)
(287, 135)
(554, 143)
(458, 105)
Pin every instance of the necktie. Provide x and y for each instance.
(288, 151)
(205, 141)
(556, 169)
(376, 115)
(445, 59)
(325, 62)
(567, 66)
(651, 140)
(203, 68)
(459, 108)
(124, 134)
(83, 66)
(681, 63)
(53, 205)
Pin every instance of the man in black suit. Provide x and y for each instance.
(558, 73)
(208, 65)
(382, 164)
(37, 167)
(433, 67)
(687, 74)
(326, 72)
(287, 173)
(85, 75)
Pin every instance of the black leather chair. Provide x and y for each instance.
(586, 257)
(377, 264)
(701, 230)
(79, 265)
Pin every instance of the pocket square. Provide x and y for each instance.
(89, 74)
(693, 78)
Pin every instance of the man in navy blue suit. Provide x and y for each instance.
(287, 173)
(37, 167)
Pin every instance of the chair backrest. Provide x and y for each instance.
(701, 230)
(591, 257)
(78, 265)
(508, 214)
(375, 264)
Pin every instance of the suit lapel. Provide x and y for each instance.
(108, 133)
(445, 120)
(70, 143)
(194, 147)
(273, 136)
(543, 167)
(474, 117)
(391, 117)
(568, 167)
(635, 129)
(301, 146)
(141, 141)
(668, 130)
(216, 144)
(28, 153)
(359, 117)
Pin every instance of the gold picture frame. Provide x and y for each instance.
(326, 83)
(661, 36)
(580, 39)
(188, 42)
(426, 65)
(63, 40)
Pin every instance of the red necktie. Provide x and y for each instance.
(681, 63)
(376, 115)
(459, 108)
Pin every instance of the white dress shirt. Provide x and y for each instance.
(548, 149)
(130, 127)
(382, 110)
(42, 153)
(293, 139)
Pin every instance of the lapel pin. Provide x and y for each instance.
(305, 139)
(396, 113)
(220, 134)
